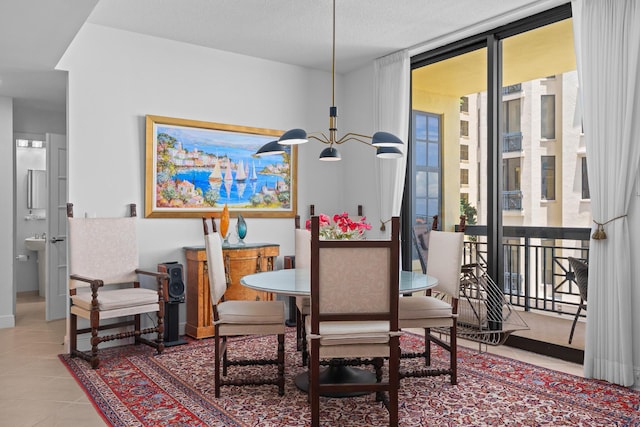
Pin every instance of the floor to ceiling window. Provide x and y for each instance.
(511, 151)
(444, 159)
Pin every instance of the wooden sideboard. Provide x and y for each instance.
(239, 260)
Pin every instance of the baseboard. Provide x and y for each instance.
(568, 354)
(8, 321)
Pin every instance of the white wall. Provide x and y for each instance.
(30, 119)
(118, 77)
(7, 295)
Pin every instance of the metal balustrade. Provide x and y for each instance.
(511, 141)
(512, 200)
(537, 275)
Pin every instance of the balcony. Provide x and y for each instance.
(512, 89)
(511, 142)
(512, 200)
(538, 280)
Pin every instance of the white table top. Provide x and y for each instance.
(296, 282)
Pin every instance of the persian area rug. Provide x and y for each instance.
(134, 387)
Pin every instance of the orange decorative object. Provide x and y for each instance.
(224, 221)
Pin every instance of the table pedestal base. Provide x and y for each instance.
(339, 375)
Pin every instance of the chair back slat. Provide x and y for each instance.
(445, 260)
(103, 247)
(215, 261)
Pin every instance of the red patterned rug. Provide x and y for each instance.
(134, 387)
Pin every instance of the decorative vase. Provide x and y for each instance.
(241, 227)
(224, 224)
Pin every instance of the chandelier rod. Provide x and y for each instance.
(333, 57)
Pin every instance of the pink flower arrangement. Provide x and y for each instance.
(342, 227)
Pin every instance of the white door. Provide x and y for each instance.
(57, 294)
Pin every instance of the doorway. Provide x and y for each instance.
(35, 211)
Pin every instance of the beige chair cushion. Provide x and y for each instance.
(345, 333)
(422, 307)
(251, 312)
(114, 299)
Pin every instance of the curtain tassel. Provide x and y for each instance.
(599, 234)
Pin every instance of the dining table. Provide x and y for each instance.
(297, 282)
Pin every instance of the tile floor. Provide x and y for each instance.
(37, 390)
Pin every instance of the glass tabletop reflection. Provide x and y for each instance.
(296, 282)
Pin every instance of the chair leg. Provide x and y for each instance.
(73, 335)
(314, 387)
(394, 380)
(575, 321)
(453, 352)
(305, 350)
(136, 327)
(225, 361)
(281, 364)
(95, 340)
(427, 346)
(216, 354)
(299, 327)
(160, 339)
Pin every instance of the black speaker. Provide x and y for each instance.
(175, 289)
(174, 292)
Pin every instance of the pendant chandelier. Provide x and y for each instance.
(386, 144)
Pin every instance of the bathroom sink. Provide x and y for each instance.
(34, 244)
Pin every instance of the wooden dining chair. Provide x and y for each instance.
(438, 309)
(104, 284)
(303, 304)
(354, 314)
(240, 317)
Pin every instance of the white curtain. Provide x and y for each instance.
(607, 40)
(391, 100)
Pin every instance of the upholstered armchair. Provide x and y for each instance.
(104, 284)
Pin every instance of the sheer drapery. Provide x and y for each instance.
(391, 100)
(607, 40)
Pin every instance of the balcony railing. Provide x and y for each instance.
(512, 200)
(537, 275)
(511, 141)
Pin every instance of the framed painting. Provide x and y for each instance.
(194, 168)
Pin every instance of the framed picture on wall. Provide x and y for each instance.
(194, 168)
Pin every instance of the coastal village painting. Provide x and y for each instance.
(198, 167)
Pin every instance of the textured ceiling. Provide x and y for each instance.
(35, 33)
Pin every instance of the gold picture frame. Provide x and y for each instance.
(193, 168)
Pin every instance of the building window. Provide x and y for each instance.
(464, 177)
(464, 104)
(511, 174)
(464, 152)
(585, 180)
(427, 138)
(464, 128)
(548, 116)
(512, 116)
(548, 177)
